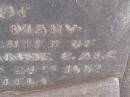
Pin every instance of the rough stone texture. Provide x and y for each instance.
(125, 84)
(106, 21)
(102, 88)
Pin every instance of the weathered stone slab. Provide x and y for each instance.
(46, 42)
(101, 88)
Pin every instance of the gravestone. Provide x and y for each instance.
(47, 42)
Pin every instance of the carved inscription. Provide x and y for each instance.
(45, 42)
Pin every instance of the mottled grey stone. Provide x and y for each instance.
(106, 21)
(102, 88)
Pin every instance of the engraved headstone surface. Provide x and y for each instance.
(102, 88)
(44, 42)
